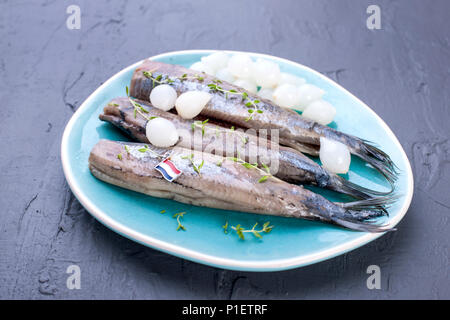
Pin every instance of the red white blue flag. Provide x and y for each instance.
(168, 170)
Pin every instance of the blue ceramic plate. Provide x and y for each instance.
(292, 243)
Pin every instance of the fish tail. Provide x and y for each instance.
(378, 159)
(370, 208)
(341, 185)
(357, 215)
(359, 218)
(375, 203)
(366, 226)
(364, 149)
(360, 215)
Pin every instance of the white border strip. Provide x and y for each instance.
(272, 265)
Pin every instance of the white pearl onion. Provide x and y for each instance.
(225, 75)
(246, 84)
(199, 66)
(266, 73)
(334, 155)
(320, 111)
(161, 132)
(291, 79)
(163, 97)
(240, 66)
(216, 61)
(286, 96)
(191, 103)
(266, 93)
(308, 93)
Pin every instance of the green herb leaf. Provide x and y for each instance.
(178, 216)
(256, 234)
(247, 165)
(225, 227)
(266, 167)
(239, 232)
(191, 159)
(144, 149)
(147, 74)
(201, 165)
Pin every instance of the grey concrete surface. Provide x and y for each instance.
(46, 71)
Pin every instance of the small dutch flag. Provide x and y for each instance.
(168, 170)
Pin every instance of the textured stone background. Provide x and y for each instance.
(46, 71)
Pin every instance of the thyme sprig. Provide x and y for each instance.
(266, 228)
(265, 172)
(191, 159)
(225, 227)
(159, 79)
(194, 77)
(243, 137)
(202, 125)
(252, 105)
(143, 149)
(179, 216)
(146, 148)
(137, 107)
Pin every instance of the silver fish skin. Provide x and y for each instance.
(293, 129)
(229, 186)
(284, 162)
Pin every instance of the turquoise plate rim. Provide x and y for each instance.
(261, 265)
